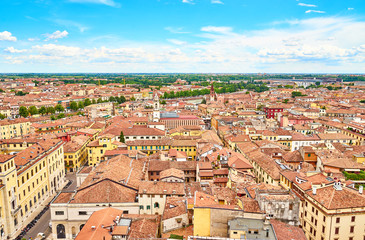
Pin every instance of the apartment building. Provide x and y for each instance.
(76, 153)
(14, 128)
(27, 180)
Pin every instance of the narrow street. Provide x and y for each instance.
(42, 226)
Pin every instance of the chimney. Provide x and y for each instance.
(93, 227)
(361, 189)
(314, 189)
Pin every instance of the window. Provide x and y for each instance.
(156, 205)
(125, 212)
(148, 207)
(141, 207)
(338, 220)
(59, 212)
(352, 229)
(353, 219)
(324, 218)
(82, 213)
(337, 230)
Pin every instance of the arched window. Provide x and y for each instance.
(157, 205)
(61, 231)
(81, 226)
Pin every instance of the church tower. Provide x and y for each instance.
(156, 108)
(213, 96)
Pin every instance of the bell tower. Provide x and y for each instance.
(156, 108)
(213, 96)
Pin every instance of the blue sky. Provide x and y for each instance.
(225, 36)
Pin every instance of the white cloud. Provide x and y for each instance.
(215, 29)
(217, 2)
(69, 24)
(178, 30)
(7, 36)
(188, 1)
(110, 3)
(306, 5)
(314, 11)
(321, 44)
(176, 41)
(13, 50)
(350, 9)
(33, 39)
(56, 35)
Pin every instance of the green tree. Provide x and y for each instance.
(296, 94)
(204, 101)
(20, 93)
(59, 108)
(80, 105)
(2, 116)
(93, 101)
(1, 90)
(286, 101)
(42, 110)
(121, 137)
(362, 101)
(133, 99)
(50, 110)
(73, 106)
(163, 102)
(99, 100)
(61, 115)
(87, 102)
(23, 111)
(33, 110)
(122, 99)
(112, 99)
(53, 117)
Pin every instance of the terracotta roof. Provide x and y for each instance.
(250, 205)
(99, 219)
(63, 197)
(284, 231)
(172, 172)
(105, 191)
(167, 188)
(121, 169)
(174, 207)
(331, 198)
(163, 165)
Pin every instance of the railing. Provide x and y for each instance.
(14, 211)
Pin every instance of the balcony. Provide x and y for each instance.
(14, 211)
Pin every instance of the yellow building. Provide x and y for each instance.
(360, 158)
(14, 128)
(97, 148)
(15, 145)
(149, 146)
(187, 146)
(27, 180)
(360, 138)
(76, 153)
(186, 131)
(333, 211)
